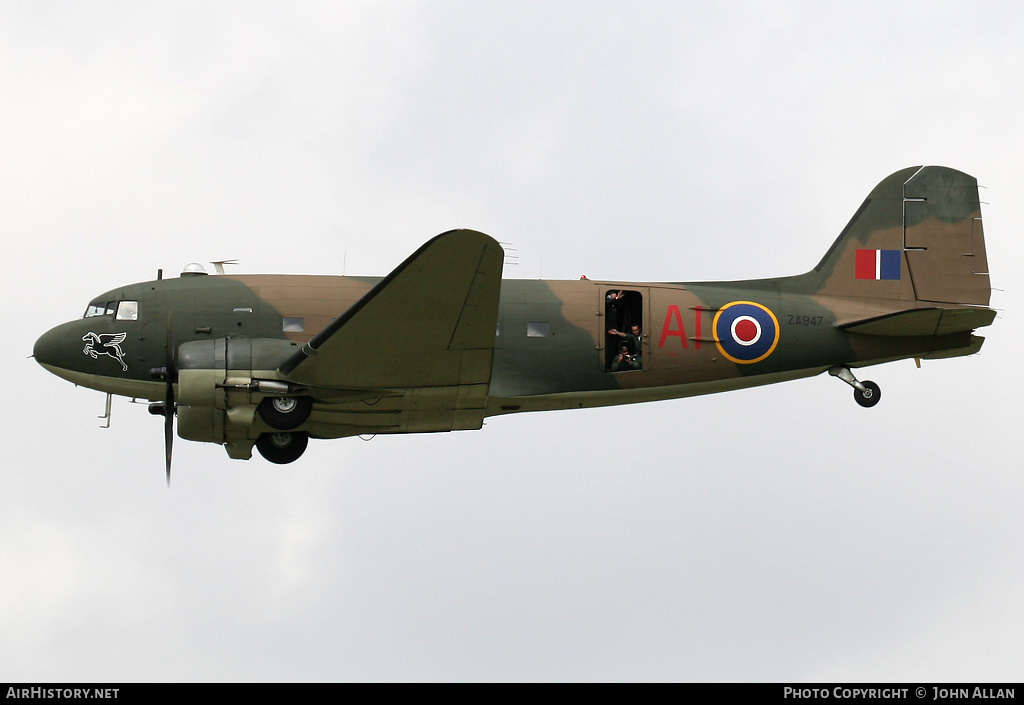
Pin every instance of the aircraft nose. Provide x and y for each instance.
(47, 348)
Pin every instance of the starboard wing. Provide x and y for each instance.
(430, 323)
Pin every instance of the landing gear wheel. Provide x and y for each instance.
(282, 448)
(285, 413)
(870, 396)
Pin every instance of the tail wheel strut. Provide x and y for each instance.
(866, 393)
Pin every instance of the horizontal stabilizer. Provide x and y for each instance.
(971, 349)
(923, 321)
(430, 323)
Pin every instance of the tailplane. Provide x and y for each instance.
(917, 237)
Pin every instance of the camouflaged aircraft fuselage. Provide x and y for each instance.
(444, 342)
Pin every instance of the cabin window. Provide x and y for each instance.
(537, 329)
(293, 324)
(127, 311)
(624, 336)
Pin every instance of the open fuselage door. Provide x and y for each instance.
(623, 322)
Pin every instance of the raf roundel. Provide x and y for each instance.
(746, 332)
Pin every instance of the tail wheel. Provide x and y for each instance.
(870, 396)
(282, 448)
(285, 413)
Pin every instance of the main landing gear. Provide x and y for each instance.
(866, 393)
(282, 447)
(285, 413)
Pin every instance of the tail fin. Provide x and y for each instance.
(917, 237)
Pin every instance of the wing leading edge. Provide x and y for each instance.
(426, 331)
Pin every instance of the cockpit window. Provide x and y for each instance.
(127, 311)
(99, 308)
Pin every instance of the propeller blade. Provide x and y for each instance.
(168, 433)
(169, 408)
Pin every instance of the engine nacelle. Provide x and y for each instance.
(202, 388)
(209, 425)
(235, 354)
(201, 423)
(217, 393)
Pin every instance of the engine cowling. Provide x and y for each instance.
(220, 384)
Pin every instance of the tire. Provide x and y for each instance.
(285, 413)
(282, 448)
(870, 396)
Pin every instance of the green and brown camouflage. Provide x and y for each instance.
(443, 342)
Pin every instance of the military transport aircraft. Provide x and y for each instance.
(443, 342)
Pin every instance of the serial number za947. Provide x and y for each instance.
(795, 320)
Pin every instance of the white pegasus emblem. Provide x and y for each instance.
(105, 344)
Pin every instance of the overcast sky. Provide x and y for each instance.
(781, 534)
